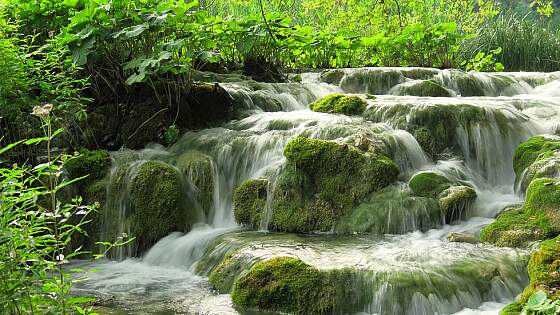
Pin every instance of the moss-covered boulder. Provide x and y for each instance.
(544, 275)
(456, 201)
(542, 168)
(93, 164)
(285, 284)
(249, 202)
(429, 184)
(375, 81)
(339, 104)
(314, 191)
(157, 203)
(533, 150)
(538, 219)
(198, 169)
(423, 88)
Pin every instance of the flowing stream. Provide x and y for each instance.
(413, 271)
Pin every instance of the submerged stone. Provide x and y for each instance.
(339, 104)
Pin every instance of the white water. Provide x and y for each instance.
(164, 278)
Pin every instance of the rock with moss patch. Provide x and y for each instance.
(339, 104)
(456, 201)
(157, 204)
(285, 284)
(249, 202)
(533, 150)
(456, 237)
(538, 219)
(422, 88)
(542, 168)
(198, 169)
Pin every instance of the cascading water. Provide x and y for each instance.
(416, 272)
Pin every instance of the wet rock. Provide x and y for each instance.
(263, 71)
(429, 184)
(455, 237)
(375, 81)
(224, 275)
(456, 201)
(533, 150)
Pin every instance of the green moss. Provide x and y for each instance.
(332, 76)
(455, 202)
(514, 308)
(419, 73)
(544, 193)
(156, 201)
(517, 228)
(286, 284)
(313, 191)
(94, 164)
(428, 184)
(249, 201)
(340, 104)
(425, 88)
(532, 150)
(544, 275)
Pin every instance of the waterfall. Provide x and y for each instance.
(464, 126)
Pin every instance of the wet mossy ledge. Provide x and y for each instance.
(537, 219)
(423, 88)
(313, 190)
(339, 104)
(543, 276)
(436, 127)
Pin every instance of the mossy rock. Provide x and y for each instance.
(157, 204)
(285, 284)
(424, 88)
(339, 104)
(198, 169)
(542, 168)
(429, 184)
(93, 164)
(313, 191)
(468, 85)
(456, 201)
(538, 219)
(419, 73)
(374, 81)
(249, 202)
(532, 150)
